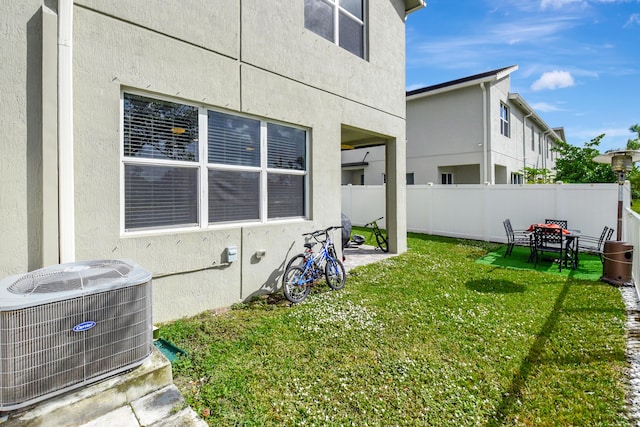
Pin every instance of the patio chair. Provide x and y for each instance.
(593, 244)
(561, 222)
(547, 239)
(515, 237)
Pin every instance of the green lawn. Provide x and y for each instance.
(426, 338)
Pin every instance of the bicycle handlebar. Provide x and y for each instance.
(317, 233)
(375, 220)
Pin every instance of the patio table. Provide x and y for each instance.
(570, 241)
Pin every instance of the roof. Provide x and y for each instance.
(411, 6)
(465, 81)
(556, 133)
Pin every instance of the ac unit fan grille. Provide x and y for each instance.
(40, 354)
(79, 276)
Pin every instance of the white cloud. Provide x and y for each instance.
(633, 20)
(545, 107)
(553, 80)
(556, 4)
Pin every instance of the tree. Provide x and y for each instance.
(537, 175)
(576, 165)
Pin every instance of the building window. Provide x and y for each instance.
(339, 21)
(178, 173)
(533, 139)
(447, 178)
(546, 147)
(410, 179)
(504, 120)
(540, 143)
(516, 178)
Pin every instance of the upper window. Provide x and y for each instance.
(339, 21)
(178, 173)
(533, 139)
(504, 120)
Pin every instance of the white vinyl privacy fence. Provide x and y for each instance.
(477, 211)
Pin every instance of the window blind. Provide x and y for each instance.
(160, 196)
(233, 196)
(157, 129)
(233, 140)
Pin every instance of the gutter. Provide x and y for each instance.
(413, 8)
(66, 217)
(524, 143)
(484, 132)
(545, 147)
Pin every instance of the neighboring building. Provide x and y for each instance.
(467, 131)
(168, 132)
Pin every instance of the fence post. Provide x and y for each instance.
(430, 207)
(485, 211)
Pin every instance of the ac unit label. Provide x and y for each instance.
(84, 326)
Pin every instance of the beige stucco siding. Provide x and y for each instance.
(247, 57)
(274, 38)
(212, 25)
(21, 140)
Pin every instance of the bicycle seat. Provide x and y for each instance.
(309, 245)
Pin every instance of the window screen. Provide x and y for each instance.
(234, 196)
(160, 196)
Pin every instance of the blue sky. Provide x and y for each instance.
(579, 60)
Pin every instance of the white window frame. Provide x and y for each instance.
(516, 178)
(533, 139)
(204, 166)
(337, 9)
(448, 176)
(412, 176)
(505, 120)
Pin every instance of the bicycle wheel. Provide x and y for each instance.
(293, 286)
(382, 243)
(297, 260)
(334, 272)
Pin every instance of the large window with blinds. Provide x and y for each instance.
(180, 173)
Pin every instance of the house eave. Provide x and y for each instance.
(411, 6)
(488, 77)
(524, 106)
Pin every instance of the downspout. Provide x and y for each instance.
(524, 142)
(66, 208)
(484, 132)
(543, 152)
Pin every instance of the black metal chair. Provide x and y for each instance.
(515, 237)
(561, 222)
(548, 239)
(594, 245)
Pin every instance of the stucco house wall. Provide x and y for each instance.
(250, 57)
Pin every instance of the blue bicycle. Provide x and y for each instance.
(306, 269)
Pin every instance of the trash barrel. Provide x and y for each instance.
(617, 263)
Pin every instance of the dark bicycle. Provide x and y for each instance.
(380, 239)
(306, 269)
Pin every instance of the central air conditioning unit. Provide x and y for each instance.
(69, 325)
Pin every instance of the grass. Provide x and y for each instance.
(589, 265)
(426, 338)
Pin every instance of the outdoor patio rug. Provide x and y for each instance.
(589, 268)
